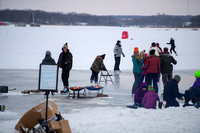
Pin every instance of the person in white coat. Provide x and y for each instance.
(157, 50)
(117, 54)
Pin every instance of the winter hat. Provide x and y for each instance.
(136, 50)
(150, 88)
(165, 49)
(143, 85)
(177, 77)
(152, 52)
(153, 44)
(142, 53)
(65, 45)
(48, 53)
(103, 56)
(197, 74)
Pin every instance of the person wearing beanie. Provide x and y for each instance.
(97, 65)
(65, 61)
(193, 93)
(171, 92)
(150, 98)
(153, 70)
(166, 64)
(48, 60)
(139, 94)
(137, 60)
(157, 50)
(117, 54)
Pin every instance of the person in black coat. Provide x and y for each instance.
(48, 60)
(166, 61)
(172, 42)
(65, 62)
(171, 92)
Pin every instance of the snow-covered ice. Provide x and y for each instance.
(22, 50)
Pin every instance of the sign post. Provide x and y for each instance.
(48, 81)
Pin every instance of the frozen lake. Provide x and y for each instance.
(119, 96)
(23, 48)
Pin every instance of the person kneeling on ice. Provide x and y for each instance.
(193, 93)
(139, 94)
(150, 98)
(97, 65)
(171, 92)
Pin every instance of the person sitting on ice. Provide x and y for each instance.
(193, 93)
(150, 98)
(139, 94)
(171, 92)
(97, 65)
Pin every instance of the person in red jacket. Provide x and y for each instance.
(153, 70)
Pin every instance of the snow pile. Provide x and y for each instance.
(125, 120)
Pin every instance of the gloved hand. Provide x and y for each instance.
(182, 98)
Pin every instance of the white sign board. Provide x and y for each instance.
(48, 77)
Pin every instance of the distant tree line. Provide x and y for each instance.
(55, 18)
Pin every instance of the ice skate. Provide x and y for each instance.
(157, 104)
(163, 105)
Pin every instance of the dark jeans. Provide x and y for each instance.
(166, 77)
(193, 94)
(153, 77)
(65, 77)
(94, 76)
(117, 63)
(138, 80)
(172, 49)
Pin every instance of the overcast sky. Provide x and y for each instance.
(109, 7)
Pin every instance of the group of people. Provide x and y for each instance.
(146, 97)
(147, 69)
(148, 66)
(65, 62)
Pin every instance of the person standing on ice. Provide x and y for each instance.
(166, 61)
(117, 54)
(97, 65)
(137, 60)
(157, 50)
(171, 92)
(172, 43)
(153, 70)
(48, 60)
(65, 62)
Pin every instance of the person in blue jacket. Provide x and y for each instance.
(137, 60)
